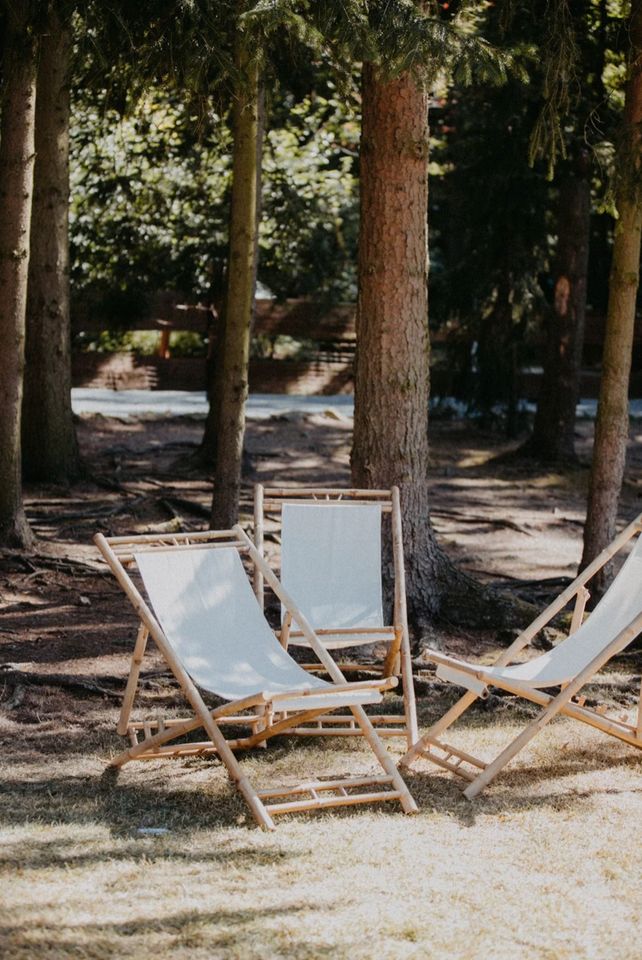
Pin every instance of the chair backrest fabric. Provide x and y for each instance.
(331, 562)
(617, 609)
(210, 616)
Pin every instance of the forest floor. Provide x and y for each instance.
(545, 864)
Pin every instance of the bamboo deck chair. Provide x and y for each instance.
(331, 565)
(614, 623)
(206, 623)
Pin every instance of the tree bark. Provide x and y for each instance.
(390, 444)
(16, 184)
(553, 438)
(49, 448)
(241, 284)
(612, 426)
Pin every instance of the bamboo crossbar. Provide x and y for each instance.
(322, 785)
(274, 506)
(319, 803)
(163, 538)
(304, 493)
(387, 632)
(130, 557)
(456, 752)
(455, 768)
(345, 666)
(386, 683)
(328, 731)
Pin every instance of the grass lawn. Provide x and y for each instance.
(545, 864)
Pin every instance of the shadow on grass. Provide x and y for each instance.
(442, 793)
(244, 932)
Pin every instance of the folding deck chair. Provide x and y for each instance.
(208, 627)
(614, 623)
(331, 566)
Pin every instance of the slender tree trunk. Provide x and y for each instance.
(553, 438)
(239, 301)
(16, 184)
(612, 426)
(206, 453)
(49, 448)
(392, 364)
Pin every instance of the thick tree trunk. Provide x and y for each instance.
(553, 438)
(612, 426)
(16, 184)
(392, 373)
(49, 448)
(392, 364)
(239, 301)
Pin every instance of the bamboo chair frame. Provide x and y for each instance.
(264, 718)
(568, 702)
(398, 660)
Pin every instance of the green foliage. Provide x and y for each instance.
(149, 200)
(309, 221)
(150, 196)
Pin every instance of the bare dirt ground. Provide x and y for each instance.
(546, 864)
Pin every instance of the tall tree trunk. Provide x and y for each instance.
(390, 443)
(612, 426)
(241, 285)
(49, 448)
(553, 438)
(16, 184)
(206, 453)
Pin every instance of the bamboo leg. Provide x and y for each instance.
(132, 680)
(401, 618)
(405, 798)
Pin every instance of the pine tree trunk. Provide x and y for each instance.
(392, 371)
(239, 301)
(16, 184)
(49, 448)
(553, 438)
(612, 426)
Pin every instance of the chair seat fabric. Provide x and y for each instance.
(331, 565)
(210, 616)
(617, 609)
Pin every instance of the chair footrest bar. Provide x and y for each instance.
(344, 732)
(456, 752)
(317, 785)
(341, 801)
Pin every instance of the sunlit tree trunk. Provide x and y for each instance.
(553, 438)
(49, 449)
(17, 125)
(392, 364)
(612, 426)
(241, 284)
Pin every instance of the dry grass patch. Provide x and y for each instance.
(546, 864)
